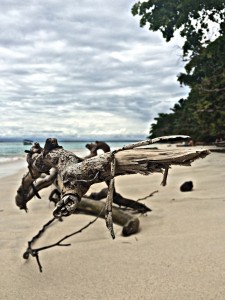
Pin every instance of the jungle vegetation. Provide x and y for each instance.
(202, 24)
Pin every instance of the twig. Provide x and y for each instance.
(109, 199)
(40, 232)
(152, 141)
(150, 195)
(165, 175)
(35, 252)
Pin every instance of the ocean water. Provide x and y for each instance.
(13, 157)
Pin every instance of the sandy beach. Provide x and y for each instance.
(178, 253)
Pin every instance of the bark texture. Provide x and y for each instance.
(74, 175)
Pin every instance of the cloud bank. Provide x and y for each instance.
(82, 70)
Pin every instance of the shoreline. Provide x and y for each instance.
(12, 167)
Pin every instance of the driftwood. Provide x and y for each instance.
(34, 252)
(75, 175)
(220, 150)
(126, 220)
(117, 198)
(130, 223)
(94, 147)
(121, 201)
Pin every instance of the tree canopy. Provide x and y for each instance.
(202, 24)
(194, 19)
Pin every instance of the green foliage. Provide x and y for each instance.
(202, 114)
(192, 18)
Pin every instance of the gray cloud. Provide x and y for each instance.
(82, 69)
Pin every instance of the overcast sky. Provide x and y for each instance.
(83, 69)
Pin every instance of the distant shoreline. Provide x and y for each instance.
(63, 139)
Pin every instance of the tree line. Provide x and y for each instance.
(202, 23)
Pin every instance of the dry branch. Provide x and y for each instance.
(121, 201)
(35, 252)
(129, 222)
(75, 175)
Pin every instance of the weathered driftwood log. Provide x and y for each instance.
(75, 175)
(117, 198)
(94, 147)
(29, 188)
(220, 150)
(31, 185)
(129, 227)
(130, 223)
(121, 201)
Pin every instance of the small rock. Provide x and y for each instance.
(187, 186)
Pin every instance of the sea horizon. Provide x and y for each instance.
(13, 155)
(70, 139)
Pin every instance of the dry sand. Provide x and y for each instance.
(179, 252)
